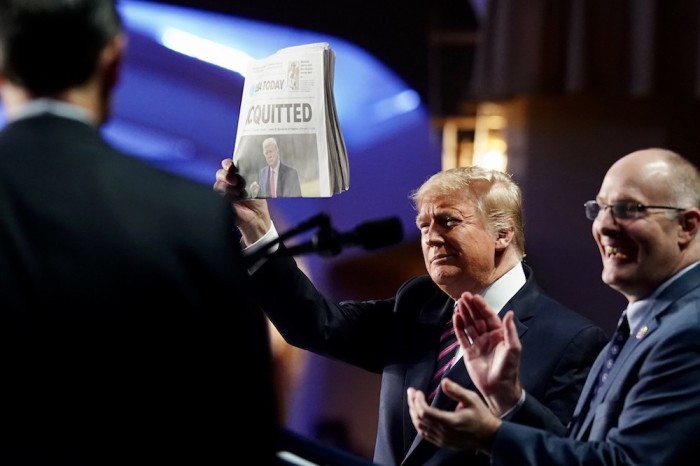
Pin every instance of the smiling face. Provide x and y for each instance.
(458, 249)
(639, 254)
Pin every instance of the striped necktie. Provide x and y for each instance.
(448, 344)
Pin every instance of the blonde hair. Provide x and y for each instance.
(493, 193)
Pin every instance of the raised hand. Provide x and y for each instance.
(252, 215)
(491, 351)
(229, 183)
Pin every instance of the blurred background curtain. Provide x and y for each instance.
(630, 48)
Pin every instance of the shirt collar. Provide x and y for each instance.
(639, 310)
(44, 105)
(499, 292)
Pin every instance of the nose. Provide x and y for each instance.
(606, 223)
(433, 237)
(606, 215)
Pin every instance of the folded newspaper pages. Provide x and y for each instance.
(288, 141)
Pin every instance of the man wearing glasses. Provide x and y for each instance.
(641, 402)
(625, 210)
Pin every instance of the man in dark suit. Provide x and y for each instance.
(641, 402)
(470, 222)
(116, 345)
(276, 179)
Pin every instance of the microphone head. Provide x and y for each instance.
(378, 233)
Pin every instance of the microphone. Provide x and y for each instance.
(375, 234)
(369, 235)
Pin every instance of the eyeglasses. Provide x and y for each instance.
(623, 210)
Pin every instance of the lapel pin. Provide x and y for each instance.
(642, 332)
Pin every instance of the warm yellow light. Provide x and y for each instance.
(490, 147)
(493, 159)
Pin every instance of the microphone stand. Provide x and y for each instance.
(326, 233)
(329, 242)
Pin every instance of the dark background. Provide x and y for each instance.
(401, 34)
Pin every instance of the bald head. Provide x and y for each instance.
(661, 173)
(654, 232)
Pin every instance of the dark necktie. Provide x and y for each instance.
(448, 344)
(622, 333)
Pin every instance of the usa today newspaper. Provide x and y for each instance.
(289, 96)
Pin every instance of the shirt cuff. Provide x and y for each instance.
(509, 414)
(270, 236)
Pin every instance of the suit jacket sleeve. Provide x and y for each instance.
(653, 419)
(535, 414)
(308, 320)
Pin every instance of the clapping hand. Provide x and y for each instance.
(471, 426)
(491, 351)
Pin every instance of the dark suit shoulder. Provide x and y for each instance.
(532, 301)
(564, 324)
(287, 167)
(418, 290)
(558, 311)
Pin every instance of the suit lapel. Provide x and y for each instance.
(421, 372)
(418, 374)
(628, 355)
(622, 365)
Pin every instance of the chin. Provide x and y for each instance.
(615, 279)
(443, 276)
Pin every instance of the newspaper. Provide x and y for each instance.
(288, 113)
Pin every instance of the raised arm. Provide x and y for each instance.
(252, 215)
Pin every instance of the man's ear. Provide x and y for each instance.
(504, 238)
(690, 224)
(111, 59)
(3, 82)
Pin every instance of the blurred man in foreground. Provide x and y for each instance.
(116, 346)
